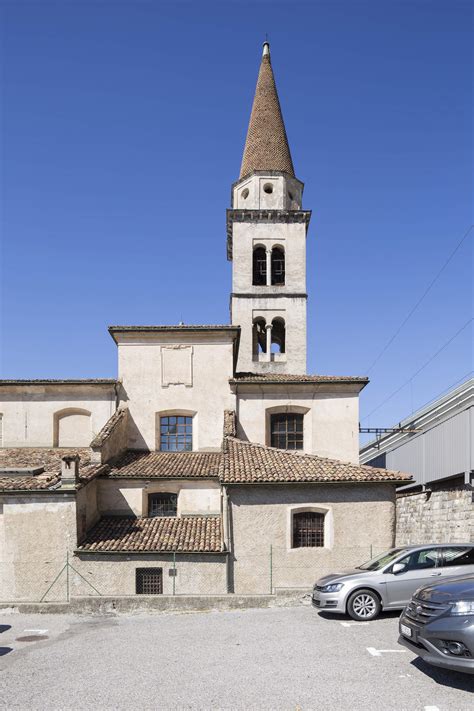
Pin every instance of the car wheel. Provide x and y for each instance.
(363, 605)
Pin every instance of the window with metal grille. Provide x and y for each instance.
(149, 581)
(286, 430)
(176, 433)
(162, 504)
(259, 266)
(308, 529)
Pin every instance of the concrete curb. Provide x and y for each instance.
(156, 603)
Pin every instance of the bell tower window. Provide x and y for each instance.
(278, 335)
(259, 337)
(259, 266)
(278, 266)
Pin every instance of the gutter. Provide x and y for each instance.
(79, 551)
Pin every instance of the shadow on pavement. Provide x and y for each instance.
(387, 615)
(4, 628)
(455, 680)
(5, 650)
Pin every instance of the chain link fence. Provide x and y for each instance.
(256, 571)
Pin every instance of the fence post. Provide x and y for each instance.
(174, 572)
(271, 569)
(67, 575)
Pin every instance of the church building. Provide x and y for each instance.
(214, 463)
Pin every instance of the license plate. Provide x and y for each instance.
(407, 631)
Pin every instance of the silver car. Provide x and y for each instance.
(388, 581)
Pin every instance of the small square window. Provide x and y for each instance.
(149, 581)
(286, 430)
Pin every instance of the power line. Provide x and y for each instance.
(412, 311)
(445, 345)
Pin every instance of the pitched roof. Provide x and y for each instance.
(193, 534)
(17, 458)
(248, 463)
(288, 378)
(165, 465)
(266, 146)
(109, 427)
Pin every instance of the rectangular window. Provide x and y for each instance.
(308, 529)
(176, 433)
(458, 556)
(149, 581)
(162, 505)
(286, 431)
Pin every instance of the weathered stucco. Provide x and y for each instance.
(198, 387)
(52, 415)
(362, 518)
(36, 532)
(331, 416)
(196, 574)
(125, 497)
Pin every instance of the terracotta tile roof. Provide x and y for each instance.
(288, 378)
(193, 534)
(266, 146)
(109, 427)
(166, 465)
(248, 463)
(17, 458)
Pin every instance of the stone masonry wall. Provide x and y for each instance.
(435, 517)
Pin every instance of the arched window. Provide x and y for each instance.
(259, 266)
(278, 266)
(308, 529)
(278, 335)
(259, 336)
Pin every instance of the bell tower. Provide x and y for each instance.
(266, 242)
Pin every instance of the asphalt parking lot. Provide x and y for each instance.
(279, 658)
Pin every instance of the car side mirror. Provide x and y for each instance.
(398, 568)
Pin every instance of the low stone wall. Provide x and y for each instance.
(157, 603)
(445, 516)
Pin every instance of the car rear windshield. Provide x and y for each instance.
(382, 560)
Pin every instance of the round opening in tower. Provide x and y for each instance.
(245, 193)
(268, 188)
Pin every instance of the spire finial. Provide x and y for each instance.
(266, 46)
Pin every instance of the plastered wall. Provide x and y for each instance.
(361, 524)
(195, 382)
(130, 498)
(331, 418)
(29, 415)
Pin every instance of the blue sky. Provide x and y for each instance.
(123, 126)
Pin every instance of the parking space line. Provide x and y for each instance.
(430, 708)
(35, 631)
(378, 652)
(351, 624)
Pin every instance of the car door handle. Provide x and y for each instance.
(433, 575)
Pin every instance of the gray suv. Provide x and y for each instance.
(388, 581)
(438, 624)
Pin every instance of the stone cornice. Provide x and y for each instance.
(266, 217)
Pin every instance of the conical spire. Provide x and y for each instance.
(266, 146)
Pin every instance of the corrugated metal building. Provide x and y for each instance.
(440, 452)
